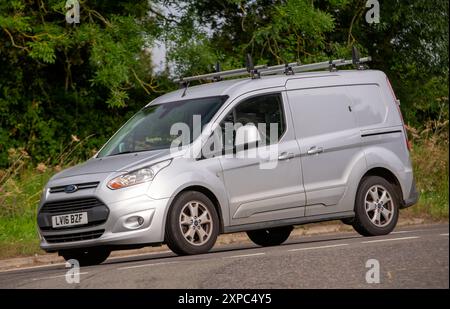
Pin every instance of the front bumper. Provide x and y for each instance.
(117, 230)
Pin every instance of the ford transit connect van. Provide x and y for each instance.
(167, 177)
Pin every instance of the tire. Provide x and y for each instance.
(192, 224)
(86, 257)
(370, 202)
(270, 237)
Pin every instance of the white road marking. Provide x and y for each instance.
(54, 277)
(402, 232)
(389, 239)
(446, 234)
(146, 265)
(243, 255)
(320, 247)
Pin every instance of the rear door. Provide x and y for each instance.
(329, 141)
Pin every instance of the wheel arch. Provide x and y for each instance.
(206, 191)
(386, 174)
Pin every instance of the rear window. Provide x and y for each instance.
(321, 111)
(368, 104)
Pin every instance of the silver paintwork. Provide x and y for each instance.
(316, 176)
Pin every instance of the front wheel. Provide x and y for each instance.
(376, 207)
(192, 224)
(270, 237)
(86, 257)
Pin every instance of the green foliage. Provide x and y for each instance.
(42, 50)
(272, 31)
(19, 199)
(296, 29)
(432, 179)
(58, 80)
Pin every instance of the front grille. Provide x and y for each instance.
(80, 186)
(71, 205)
(96, 210)
(74, 236)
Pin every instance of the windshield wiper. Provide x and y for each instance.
(133, 151)
(128, 151)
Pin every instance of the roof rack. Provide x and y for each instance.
(288, 68)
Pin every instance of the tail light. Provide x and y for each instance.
(397, 101)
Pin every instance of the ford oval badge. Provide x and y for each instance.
(70, 188)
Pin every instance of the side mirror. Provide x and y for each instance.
(121, 147)
(246, 135)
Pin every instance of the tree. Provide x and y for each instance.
(58, 79)
(274, 32)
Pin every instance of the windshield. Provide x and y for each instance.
(150, 128)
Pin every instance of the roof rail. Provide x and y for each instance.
(288, 68)
(211, 76)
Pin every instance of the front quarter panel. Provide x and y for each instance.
(186, 172)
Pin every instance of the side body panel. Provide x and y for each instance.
(382, 131)
(330, 143)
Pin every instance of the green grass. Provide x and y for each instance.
(18, 237)
(430, 162)
(19, 198)
(20, 194)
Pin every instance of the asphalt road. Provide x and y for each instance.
(410, 257)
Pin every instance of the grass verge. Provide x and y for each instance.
(430, 162)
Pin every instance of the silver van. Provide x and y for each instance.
(340, 152)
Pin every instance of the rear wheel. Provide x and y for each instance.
(192, 224)
(86, 257)
(270, 237)
(376, 208)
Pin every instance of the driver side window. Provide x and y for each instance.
(265, 112)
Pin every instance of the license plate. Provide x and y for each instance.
(69, 219)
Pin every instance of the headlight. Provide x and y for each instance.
(138, 176)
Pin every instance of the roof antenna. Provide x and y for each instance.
(356, 59)
(251, 68)
(332, 66)
(217, 78)
(185, 85)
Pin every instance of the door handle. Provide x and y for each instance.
(285, 156)
(314, 150)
